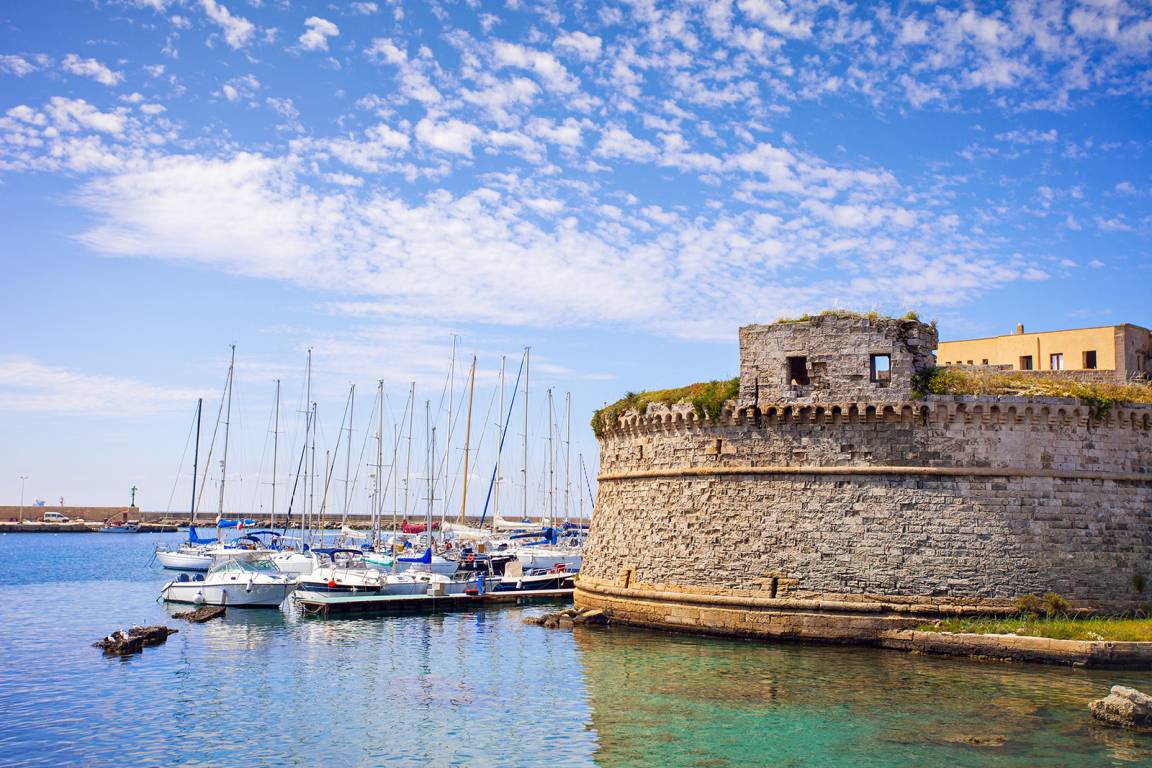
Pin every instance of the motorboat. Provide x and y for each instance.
(341, 570)
(254, 583)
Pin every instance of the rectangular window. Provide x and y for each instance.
(881, 368)
(1026, 362)
(1056, 361)
(984, 361)
(1090, 360)
(969, 362)
(798, 371)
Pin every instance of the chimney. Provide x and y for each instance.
(1019, 328)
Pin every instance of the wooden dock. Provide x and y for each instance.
(326, 604)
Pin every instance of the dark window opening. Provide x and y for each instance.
(774, 587)
(881, 368)
(798, 371)
(640, 452)
(1090, 360)
(1026, 362)
(984, 361)
(719, 446)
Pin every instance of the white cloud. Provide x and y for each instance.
(777, 17)
(544, 65)
(454, 136)
(238, 31)
(315, 38)
(1125, 188)
(618, 142)
(364, 9)
(91, 68)
(240, 88)
(16, 65)
(581, 44)
(30, 386)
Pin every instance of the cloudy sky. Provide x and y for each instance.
(617, 185)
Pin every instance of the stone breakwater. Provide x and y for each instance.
(811, 511)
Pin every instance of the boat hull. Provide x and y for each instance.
(184, 561)
(238, 594)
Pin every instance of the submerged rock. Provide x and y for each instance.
(569, 618)
(201, 615)
(1124, 707)
(134, 640)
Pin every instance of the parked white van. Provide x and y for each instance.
(54, 517)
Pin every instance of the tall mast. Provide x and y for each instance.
(567, 451)
(551, 466)
(430, 431)
(324, 495)
(468, 437)
(195, 460)
(408, 468)
(348, 456)
(309, 425)
(500, 445)
(312, 486)
(579, 491)
(451, 425)
(275, 447)
(377, 502)
(227, 426)
(524, 499)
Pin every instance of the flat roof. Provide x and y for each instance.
(1042, 333)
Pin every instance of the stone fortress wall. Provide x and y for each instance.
(829, 502)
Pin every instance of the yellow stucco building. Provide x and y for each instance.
(1125, 349)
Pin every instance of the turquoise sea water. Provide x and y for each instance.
(480, 688)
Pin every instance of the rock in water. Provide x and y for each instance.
(121, 643)
(201, 615)
(1124, 708)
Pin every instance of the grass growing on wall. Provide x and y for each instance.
(957, 381)
(1056, 627)
(847, 314)
(706, 397)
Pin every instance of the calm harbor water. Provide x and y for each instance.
(480, 688)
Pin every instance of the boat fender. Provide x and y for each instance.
(249, 587)
(471, 558)
(331, 582)
(199, 598)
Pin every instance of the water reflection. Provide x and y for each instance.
(663, 699)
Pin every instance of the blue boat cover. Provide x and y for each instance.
(194, 538)
(425, 558)
(234, 523)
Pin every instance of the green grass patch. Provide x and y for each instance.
(846, 314)
(1057, 627)
(957, 381)
(706, 397)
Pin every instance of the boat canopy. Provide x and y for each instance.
(195, 538)
(425, 558)
(234, 523)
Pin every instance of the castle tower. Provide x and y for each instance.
(831, 501)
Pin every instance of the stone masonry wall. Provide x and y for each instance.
(953, 500)
(836, 352)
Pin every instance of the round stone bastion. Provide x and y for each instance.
(828, 501)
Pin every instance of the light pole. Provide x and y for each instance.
(22, 479)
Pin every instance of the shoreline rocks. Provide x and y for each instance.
(1124, 707)
(569, 618)
(134, 640)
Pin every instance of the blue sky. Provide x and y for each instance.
(618, 185)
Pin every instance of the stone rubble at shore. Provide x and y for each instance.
(569, 618)
(1124, 707)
